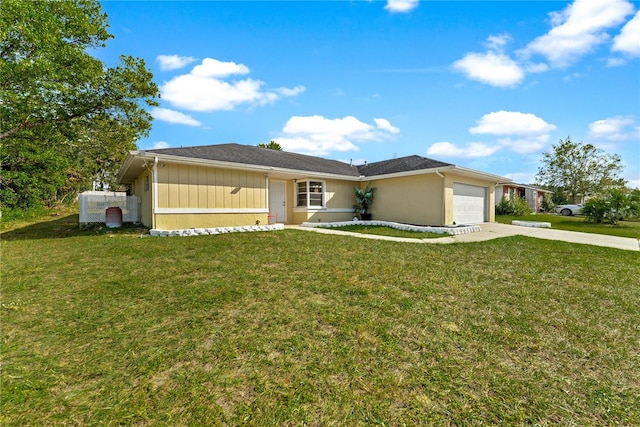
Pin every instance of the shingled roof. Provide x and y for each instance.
(401, 164)
(252, 155)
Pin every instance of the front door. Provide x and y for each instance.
(277, 203)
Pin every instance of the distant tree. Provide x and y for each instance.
(271, 145)
(576, 170)
(67, 119)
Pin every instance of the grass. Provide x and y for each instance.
(626, 228)
(298, 328)
(388, 231)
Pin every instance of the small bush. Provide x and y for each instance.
(598, 211)
(547, 204)
(612, 207)
(513, 205)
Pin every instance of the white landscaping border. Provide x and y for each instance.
(535, 224)
(214, 231)
(452, 231)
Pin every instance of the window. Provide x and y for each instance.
(146, 183)
(310, 194)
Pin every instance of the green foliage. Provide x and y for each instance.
(67, 119)
(513, 205)
(576, 170)
(271, 145)
(11, 217)
(598, 211)
(612, 207)
(364, 199)
(547, 204)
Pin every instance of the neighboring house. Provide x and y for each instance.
(234, 185)
(533, 195)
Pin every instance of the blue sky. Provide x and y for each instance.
(485, 85)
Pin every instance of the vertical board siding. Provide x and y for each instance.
(201, 187)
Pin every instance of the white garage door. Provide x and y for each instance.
(469, 203)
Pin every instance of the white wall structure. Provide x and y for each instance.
(94, 204)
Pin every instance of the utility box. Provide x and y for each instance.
(94, 205)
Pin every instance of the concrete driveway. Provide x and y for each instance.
(495, 230)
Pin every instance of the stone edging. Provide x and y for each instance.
(535, 224)
(453, 231)
(216, 230)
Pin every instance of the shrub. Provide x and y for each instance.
(513, 205)
(612, 207)
(547, 204)
(598, 211)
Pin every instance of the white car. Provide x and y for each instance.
(567, 210)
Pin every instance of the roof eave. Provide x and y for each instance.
(249, 166)
(475, 173)
(448, 168)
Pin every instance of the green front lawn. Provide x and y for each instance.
(298, 328)
(388, 231)
(627, 228)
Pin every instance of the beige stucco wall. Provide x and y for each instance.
(413, 199)
(423, 199)
(340, 194)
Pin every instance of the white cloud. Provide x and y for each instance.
(618, 128)
(536, 67)
(517, 132)
(401, 6)
(628, 41)
(525, 145)
(218, 69)
(616, 62)
(204, 89)
(174, 117)
(471, 150)
(577, 30)
(318, 135)
(511, 123)
(493, 67)
(384, 124)
(173, 62)
(498, 42)
(290, 92)
(159, 144)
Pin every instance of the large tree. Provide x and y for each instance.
(67, 118)
(579, 170)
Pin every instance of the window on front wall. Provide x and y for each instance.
(310, 194)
